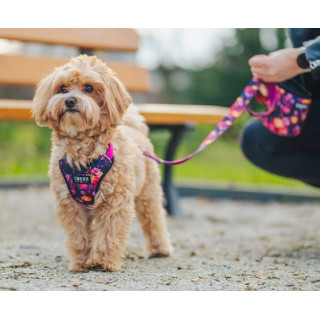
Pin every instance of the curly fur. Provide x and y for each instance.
(96, 236)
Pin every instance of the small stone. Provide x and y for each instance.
(58, 259)
(193, 254)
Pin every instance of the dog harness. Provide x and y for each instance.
(84, 184)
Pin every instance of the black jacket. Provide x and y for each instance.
(310, 38)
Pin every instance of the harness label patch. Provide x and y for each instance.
(82, 179)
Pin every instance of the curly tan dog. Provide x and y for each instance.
(86, 107)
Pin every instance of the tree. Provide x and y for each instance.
(220, 83)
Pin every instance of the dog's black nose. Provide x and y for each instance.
(70, 102)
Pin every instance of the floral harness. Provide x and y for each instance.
(84, 184)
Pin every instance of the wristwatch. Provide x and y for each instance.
(302, 61)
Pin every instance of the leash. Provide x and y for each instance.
(233, 114)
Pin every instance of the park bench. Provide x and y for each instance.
(27, 70)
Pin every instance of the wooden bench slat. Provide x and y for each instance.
(90, 38)
(181, 114)
(11, 109)
(28, 70)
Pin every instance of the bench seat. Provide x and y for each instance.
(171, 114)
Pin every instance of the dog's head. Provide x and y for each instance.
(83, 94)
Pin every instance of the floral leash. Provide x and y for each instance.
(233, 114)
(284, 115)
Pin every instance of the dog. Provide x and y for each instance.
(87, 108)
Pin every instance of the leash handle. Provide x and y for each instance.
(233, 114)
(269, 101)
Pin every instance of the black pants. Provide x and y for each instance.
(297, 157)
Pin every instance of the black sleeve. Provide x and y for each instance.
(313, 56)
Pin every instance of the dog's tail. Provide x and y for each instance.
(135, 120)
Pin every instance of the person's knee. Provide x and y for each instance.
(259, 145)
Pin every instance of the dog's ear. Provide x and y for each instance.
(41, 98)
(116, 99)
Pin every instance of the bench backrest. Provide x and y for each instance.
(28, 70)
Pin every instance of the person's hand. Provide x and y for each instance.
(278, 66)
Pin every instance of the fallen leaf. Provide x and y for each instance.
(315, 280)
(301, 245)
(104, 282)
(133, 256)
(261, 276)
(9, 288)
(272, 268)
(22, 265)
(77, 284)
(272, 253)
(251, 288)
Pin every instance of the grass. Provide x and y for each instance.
(25, 152)
(223, 161)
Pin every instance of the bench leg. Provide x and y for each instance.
(170, 192)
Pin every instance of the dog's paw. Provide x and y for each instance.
(161, 251)
(98, 265)
(77, 267)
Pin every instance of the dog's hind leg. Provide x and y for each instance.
(152, 215)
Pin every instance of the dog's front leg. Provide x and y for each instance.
(109, 234)
(76, 225)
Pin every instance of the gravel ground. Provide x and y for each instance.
(220, 245)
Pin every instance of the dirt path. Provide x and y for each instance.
(221, 245)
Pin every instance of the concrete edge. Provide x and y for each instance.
(211, 192)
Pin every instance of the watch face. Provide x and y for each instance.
(302, 61)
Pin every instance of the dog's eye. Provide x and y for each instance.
(88, 88)
(63, 89)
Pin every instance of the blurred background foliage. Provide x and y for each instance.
(25, 148)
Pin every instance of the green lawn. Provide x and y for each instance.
(222, 161)
(25, 150)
